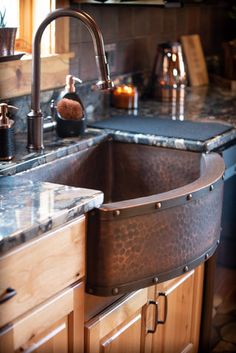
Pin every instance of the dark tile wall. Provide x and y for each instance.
(136, 31)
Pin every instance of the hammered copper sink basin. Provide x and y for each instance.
(161, 214)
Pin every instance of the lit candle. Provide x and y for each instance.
(125, 97)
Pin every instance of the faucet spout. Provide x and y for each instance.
(35, 117)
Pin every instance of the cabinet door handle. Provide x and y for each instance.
(9, 293)
(153, 330)
(163, 294)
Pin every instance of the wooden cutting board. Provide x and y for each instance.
(196, 64)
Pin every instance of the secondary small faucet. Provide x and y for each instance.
(35, 117)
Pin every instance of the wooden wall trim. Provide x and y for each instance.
(15, 76)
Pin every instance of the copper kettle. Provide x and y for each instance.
(168, 74)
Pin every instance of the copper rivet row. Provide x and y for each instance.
(115, 291)
(186, 268)
(116, 213)
(189, 197)
(155, 280)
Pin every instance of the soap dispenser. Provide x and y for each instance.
(69, 91)
(70, 115)
(7, 143)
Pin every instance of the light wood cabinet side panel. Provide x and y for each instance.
(42, 268)
(197, 306)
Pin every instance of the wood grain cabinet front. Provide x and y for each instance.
(39, 269)
(119, 328)
(164, 318)
(176, 324)
(53, 327)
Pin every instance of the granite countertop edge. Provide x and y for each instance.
(30, 217)
(99, 135)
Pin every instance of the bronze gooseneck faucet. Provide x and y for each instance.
(35, 117)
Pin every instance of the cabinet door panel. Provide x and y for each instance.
(53, 327)
(180, 332)
(54, 340)
(119, 329)
(174, 335)
(126, 339)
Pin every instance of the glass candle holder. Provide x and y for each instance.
(125, 97)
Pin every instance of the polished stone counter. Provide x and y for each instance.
(55, 148)
(29, 209)
(200, 104)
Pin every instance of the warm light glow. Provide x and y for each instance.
(174, 57)
(26, 16)
(175, 72)
(12, 12)
(124, 89)
(12, 9)
(40, 11)
(125, 96)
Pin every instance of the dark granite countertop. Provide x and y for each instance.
(202, 104)
(55, 148)
(30, 209)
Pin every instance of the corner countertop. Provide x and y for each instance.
(201, 104)
(29, 209)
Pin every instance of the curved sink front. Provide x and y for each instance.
(161, 215)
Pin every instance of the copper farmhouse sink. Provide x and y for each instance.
(161, 215)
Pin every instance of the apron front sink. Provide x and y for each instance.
(161, 215)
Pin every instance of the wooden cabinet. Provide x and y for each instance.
(41, 268)
(55, 326)
(118, 329)
(177, 326)
(161, 319)
(42, 301)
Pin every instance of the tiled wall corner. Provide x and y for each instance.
(137, 30)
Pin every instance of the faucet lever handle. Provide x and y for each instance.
(13, 107)
(77, 79)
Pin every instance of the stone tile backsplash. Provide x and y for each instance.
(137, 30)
